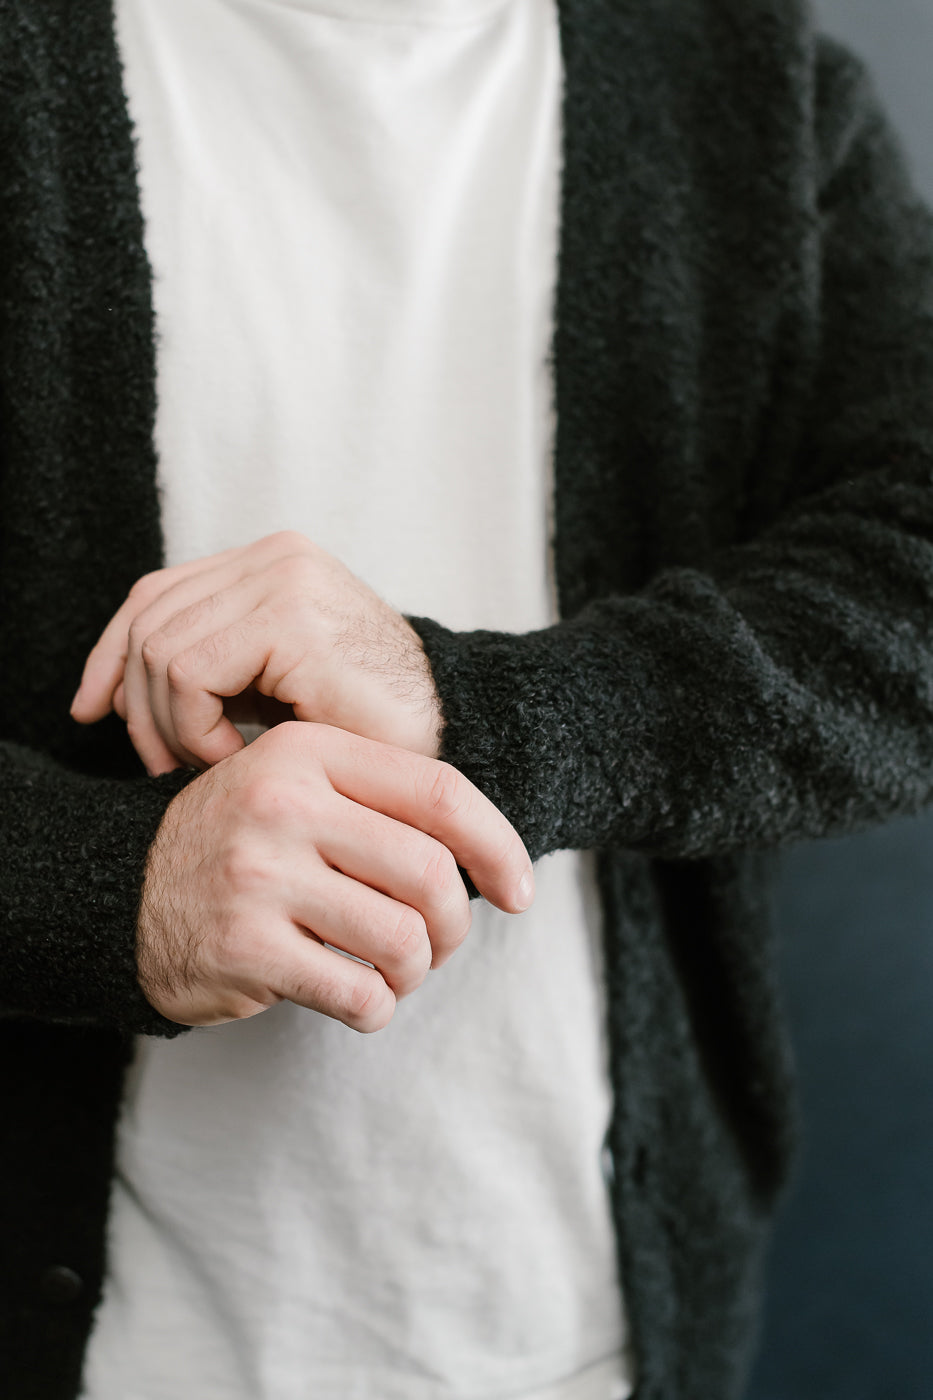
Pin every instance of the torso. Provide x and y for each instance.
(354, 319)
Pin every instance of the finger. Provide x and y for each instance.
(217, 666)
(367, 924)
(193, 632)
(154, 636)
(103, 671)
(103, 668)
(440, 801)
(323, 980)
(201, 644)
(157, 756)
(409, 867)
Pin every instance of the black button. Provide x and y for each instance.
(59, 1284)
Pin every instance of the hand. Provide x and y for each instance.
(279, 620)
(310, 836)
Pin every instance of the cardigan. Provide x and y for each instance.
(743, 360)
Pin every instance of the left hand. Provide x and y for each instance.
(279, 619)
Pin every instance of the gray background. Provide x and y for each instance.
(850, 1305)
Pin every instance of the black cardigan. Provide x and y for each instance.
(743, 357)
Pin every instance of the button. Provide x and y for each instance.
(59, 1284)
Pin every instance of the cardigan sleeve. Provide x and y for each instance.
(786, 689)
(73, 856)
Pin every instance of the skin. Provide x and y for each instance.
(312, 835)
(279, 622)
(338, 827)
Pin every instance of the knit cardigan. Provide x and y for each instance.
(743, 361)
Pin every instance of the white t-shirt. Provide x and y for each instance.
(351, 212)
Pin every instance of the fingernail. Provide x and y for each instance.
(74, 700)
(526, 891)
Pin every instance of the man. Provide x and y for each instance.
(352, 219)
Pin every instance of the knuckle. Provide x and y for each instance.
(437, 877)
(288, 542)
(291, 570)
(293, 739)
(147, 586)
(291, 539)
(362, 1000)
(176, 674)
(278, 744)
(243, 871)
(447, 794)
(407, 940)
(270, 800)
(151, 652)
(137, 634)
(243, 877)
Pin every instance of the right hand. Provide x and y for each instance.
(313, 835)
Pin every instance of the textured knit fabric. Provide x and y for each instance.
(744, 364)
